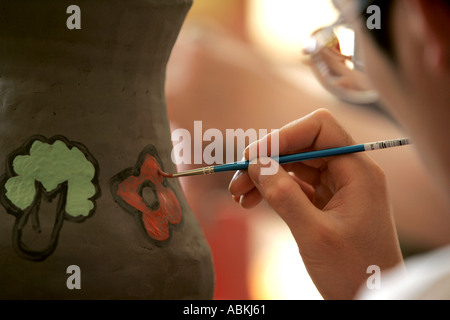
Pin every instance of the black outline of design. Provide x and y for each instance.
(115, 181)
(32, 211)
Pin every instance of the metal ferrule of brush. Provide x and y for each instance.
(195, 172)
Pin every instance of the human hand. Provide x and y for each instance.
(337, 208)
(330, 66)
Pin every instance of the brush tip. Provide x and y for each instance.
(165, 175)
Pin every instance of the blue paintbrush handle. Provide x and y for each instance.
(297, 157)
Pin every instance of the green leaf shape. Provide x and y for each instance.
(51, 165)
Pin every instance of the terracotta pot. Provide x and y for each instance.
(83, 129)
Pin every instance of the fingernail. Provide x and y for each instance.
(241, 199)
(233, 181)
(251, 152)
(236, 176)
(244, 153)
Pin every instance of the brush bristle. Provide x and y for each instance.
(165, 175)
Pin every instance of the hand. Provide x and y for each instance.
(337, 208)
(337, 71)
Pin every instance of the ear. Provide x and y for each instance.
(429, 20)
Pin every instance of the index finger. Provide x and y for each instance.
(316, 131)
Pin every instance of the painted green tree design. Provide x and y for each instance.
(41, 170)
(51, 165)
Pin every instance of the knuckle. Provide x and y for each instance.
(332, 130)
(323, 113)
(281, 194)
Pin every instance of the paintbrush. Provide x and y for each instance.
(297, 157)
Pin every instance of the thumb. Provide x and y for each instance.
(281, 192)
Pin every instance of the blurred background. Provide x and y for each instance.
(239, 64)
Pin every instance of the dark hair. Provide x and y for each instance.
(381, 36)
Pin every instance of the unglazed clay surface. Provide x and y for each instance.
(83, 129)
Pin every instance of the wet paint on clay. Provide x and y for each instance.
(154, 216)
(45, 169)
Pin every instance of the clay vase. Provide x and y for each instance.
(83, 131)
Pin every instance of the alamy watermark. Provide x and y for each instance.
(226, 148)
(373, 282)
(73, 22)
(74, 280)
(374, 21)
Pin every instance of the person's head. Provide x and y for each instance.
(408, 61)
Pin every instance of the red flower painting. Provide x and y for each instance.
(165, 209)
